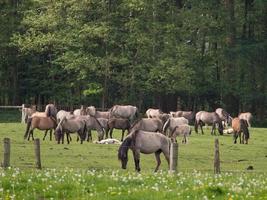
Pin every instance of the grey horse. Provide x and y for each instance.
(151, 112)
(144, 142)
(210, 118)
(247, 117)
(148, 124)
(121, 111)
(190, 115)
(72, 125)
(81, 111)
(62, 113)
(184, 130)
(91, 110)
(93, 123)
(118, 123)
(224, 116)
(172, 122)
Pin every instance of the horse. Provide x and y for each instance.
(247, 117)
(184, 130)
(103, 123)
(72, 125)
(151, 112)
(118, 123)
(62, 113)
(210, 118)
(144, 142)
(41, 123)
(147, 124)
(98, 114)
(224, 116)
(93, 123)
(127, 112)
(172, 122)
(189, 115)
(240, 126)
(81, 111)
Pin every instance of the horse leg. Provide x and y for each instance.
(167, 156)
(45, 134)
(136, 155)
(243, 135)
(51, 130)
(201, 125)
(122, 135)
(213, 129)
(157, 155)
(107, 130)
(110, 132)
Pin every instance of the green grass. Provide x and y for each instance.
(70, 170)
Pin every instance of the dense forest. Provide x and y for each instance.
(177, 54)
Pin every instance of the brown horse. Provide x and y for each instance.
(240, 126)
(41, 123)
(144, 142)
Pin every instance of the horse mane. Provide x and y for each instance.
(126, 144)
(165, 125)
(97, 121)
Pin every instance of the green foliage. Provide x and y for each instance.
(209, 52)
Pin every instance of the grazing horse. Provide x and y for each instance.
(224, 116)
(72, 125)
(41, 123)
(189, 115)
(240, 126)
(151, 112)
(247, 117)
(164, 117)
(127, 112)
(147, 124)
(172, 122)
(91, 110)
(118, 123)
(210, 118)
(81, 111)
(184, 130)
(103, 123)
(144, 142)
(93, 123)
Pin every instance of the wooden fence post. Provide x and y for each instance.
(6, 160)
(37, 153)
(173, 157)
(217, 169)
(23, 114)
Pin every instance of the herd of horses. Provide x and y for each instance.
(153, 134)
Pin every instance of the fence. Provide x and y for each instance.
(172, 165)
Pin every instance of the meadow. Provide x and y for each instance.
(92, 171)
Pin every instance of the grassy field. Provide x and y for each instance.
(92, 171)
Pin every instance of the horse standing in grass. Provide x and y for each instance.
(240, 126)
(172, 122)
(72, 125)
(81, 111)
(144, 142)
(184, 130)
(41, 123)
(210, 118)
(189, 115)
(247, 117)
(148, 124)
(118, 123)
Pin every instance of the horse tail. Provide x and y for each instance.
(244, 128)
(126, 144)
(196, 126)
(166, 125)
(29, 122)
